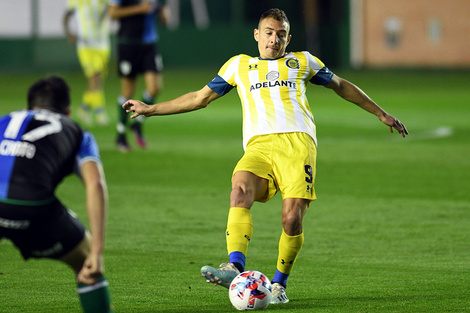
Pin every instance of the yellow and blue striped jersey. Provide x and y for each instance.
(273, 92)
(92, 22)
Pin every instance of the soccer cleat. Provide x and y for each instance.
(121, 143)
(139, 138)
(222, 276)
(279, 294)
(102, 118)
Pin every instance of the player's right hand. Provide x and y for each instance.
(136, 107)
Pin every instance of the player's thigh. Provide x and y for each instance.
(85, 57)
(93, 61)
(102, 57)
(247, 188)
(294, 165)
(51, 231)
(257, 161)
(129, 60)
(150, 59)
(77, 256)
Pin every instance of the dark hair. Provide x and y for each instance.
(50, 93)
(276, 14)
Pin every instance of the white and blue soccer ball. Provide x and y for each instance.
(250, 290)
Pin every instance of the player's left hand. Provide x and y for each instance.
(92, 270)
(392, 123)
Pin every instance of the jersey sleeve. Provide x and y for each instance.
(88, 151)
(225, 79)
(321, 75)
(219, 85)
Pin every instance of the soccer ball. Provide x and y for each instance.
(250, 290)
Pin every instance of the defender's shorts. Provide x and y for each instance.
(46, 231)
(286, 160)
(134, 59)
(93, 60)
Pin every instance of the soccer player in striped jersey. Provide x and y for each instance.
(279, 139)
(93, 49)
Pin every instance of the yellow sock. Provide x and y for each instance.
(289, 248)
(94, 99)
(239, 230)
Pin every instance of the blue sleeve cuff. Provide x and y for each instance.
(322, 77)
(219, 85)
(89, 147)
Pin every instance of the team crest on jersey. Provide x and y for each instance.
(273, 75)
(293, 63)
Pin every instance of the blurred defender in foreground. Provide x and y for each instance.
(39, 147)
(279, 138)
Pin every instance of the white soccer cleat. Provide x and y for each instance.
(85, 117)
(279, 294)
(102, 118)
(222, 276)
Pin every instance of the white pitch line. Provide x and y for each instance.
(439, 132)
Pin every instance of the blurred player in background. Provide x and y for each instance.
(40, 146)
(279, 138)
(137, 54)
(93, 49)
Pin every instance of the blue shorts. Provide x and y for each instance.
(46, 231)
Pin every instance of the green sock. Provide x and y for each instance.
(122, 115)
(147, 98)
(95, 298)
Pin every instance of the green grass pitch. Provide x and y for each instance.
(390, 231)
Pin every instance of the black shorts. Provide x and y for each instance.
(134, 59)
(46, 231)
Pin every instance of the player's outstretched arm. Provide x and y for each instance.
(186, 103)
(354, 94)
(96, 202)
(71, 37)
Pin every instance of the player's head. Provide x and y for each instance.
(51, 93)
(272, 34)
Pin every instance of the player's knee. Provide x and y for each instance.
(154, 89)
(154, 92)
(292, 221)
(76, 257)
(241, 196)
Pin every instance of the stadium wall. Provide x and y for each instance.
(404, 33)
